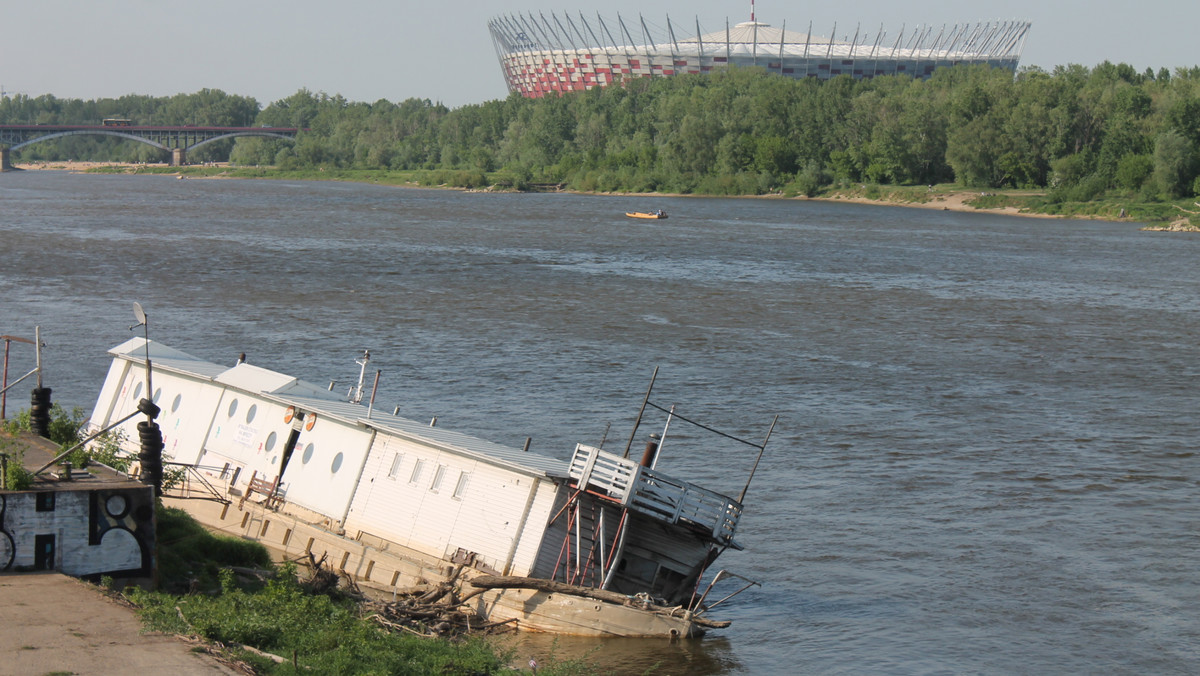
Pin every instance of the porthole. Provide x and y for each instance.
(175, 403)
(157, 395)
(337, 463)
(308, 454)
(137, 391)
(116, 506)
(250, 413)
(274, 459)
(232, 408)
(270, 442)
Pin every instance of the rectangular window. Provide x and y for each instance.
(395, 470)
(461, 487)
(437, 478)
(45, 502)
(416, 473)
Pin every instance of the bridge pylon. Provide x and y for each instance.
(178, 157)
(5, 160)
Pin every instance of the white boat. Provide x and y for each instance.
(598, 545)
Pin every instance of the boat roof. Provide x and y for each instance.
(291, 391)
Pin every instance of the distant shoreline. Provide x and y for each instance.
(943, 200)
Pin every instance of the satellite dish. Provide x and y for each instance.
(139, 313)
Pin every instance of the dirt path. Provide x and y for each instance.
(54, 624)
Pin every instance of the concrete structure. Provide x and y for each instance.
(541, 55)
(81, 523)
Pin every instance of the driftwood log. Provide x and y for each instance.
(513, 582)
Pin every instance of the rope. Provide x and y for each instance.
(703, 426)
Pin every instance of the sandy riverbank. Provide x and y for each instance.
(80, 167)
(942, 200)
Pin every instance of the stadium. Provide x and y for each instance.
(543, 54)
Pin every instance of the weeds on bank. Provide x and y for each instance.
(204, 592)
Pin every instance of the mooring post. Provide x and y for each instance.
(39, 409)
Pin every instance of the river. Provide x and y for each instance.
(985, 460)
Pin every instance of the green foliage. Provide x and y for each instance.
(1078, 131)
(1174, 164)
(191, 558)
(326, 636)
(16, 477)
(1133, 171)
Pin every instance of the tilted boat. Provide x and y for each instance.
(646, 214)
(598, 545)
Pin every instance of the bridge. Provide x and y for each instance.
(176, 140)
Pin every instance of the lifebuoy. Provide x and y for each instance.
(289, 414)
(312, 420)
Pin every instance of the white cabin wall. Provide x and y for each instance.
(110, 395)
(247, 441)
(534, 531)
(188, 407)
(485, 518)
(129, 388)
(323, 470)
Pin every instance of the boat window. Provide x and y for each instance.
(308, 454)
(337, 463)
(175, 403)
(232, 407)
(460, 488)
(250, 413)
(395, 469)
(157, 395)
(137, 391)
(416, 473)
(437, 478)
(270, 442)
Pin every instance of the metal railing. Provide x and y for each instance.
(655, 494)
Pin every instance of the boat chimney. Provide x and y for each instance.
(651, 450)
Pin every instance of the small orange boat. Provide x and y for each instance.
(646, 214)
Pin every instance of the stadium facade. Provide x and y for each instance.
(544, 54)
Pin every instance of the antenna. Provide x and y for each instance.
(356, 393)
(752, 11)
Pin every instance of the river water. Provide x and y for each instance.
(985, 460)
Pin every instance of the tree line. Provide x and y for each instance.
(1076, 132)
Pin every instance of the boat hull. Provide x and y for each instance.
(379, 567)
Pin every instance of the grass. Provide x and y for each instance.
(325, 634)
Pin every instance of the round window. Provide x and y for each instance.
(116, 506)
(308, 454)
(270, 442)
(337, 463)
(175, 403)
(137, 391)
(157, 395)
(250, 413)
(232, 407)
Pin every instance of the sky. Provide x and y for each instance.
(367, 50)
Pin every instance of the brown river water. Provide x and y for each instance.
(986, 456)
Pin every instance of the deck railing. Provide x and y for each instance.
(655, 494)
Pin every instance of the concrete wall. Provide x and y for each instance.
(80, 531)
